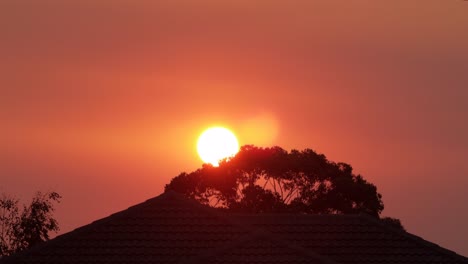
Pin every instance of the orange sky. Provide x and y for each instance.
(103, 101)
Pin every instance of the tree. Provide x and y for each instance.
(22, 229)
(393, 222)
(261, 180)
(8, 224)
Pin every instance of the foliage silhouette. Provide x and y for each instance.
(272, 180)
(393, 222)
(22, 229)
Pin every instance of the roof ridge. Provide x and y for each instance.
(208, 209)
(415, 238)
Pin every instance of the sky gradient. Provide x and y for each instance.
(102, 101)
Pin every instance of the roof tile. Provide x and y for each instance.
(173, 229)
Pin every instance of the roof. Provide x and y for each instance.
(173, 229)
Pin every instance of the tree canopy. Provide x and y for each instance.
(273, 180)
(22, 229)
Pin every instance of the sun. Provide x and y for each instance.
(215, 144)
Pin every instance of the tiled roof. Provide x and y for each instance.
(260, 247)
(351, 238)
(173, 229)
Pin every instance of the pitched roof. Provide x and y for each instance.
(173, 229)
(352, 238)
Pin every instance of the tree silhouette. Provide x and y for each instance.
(20, 230)
(272, 180)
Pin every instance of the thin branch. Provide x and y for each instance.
(239, 190)
(281, 187)
(264, 185)
(290, 195)
(274, 185)
(219, 199)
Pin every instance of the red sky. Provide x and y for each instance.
(103, 101)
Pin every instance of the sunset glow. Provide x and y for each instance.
(115, 96)
(217, 143)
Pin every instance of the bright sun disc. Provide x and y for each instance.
(215, 144)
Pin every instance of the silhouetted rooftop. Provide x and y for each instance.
(173, 229)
